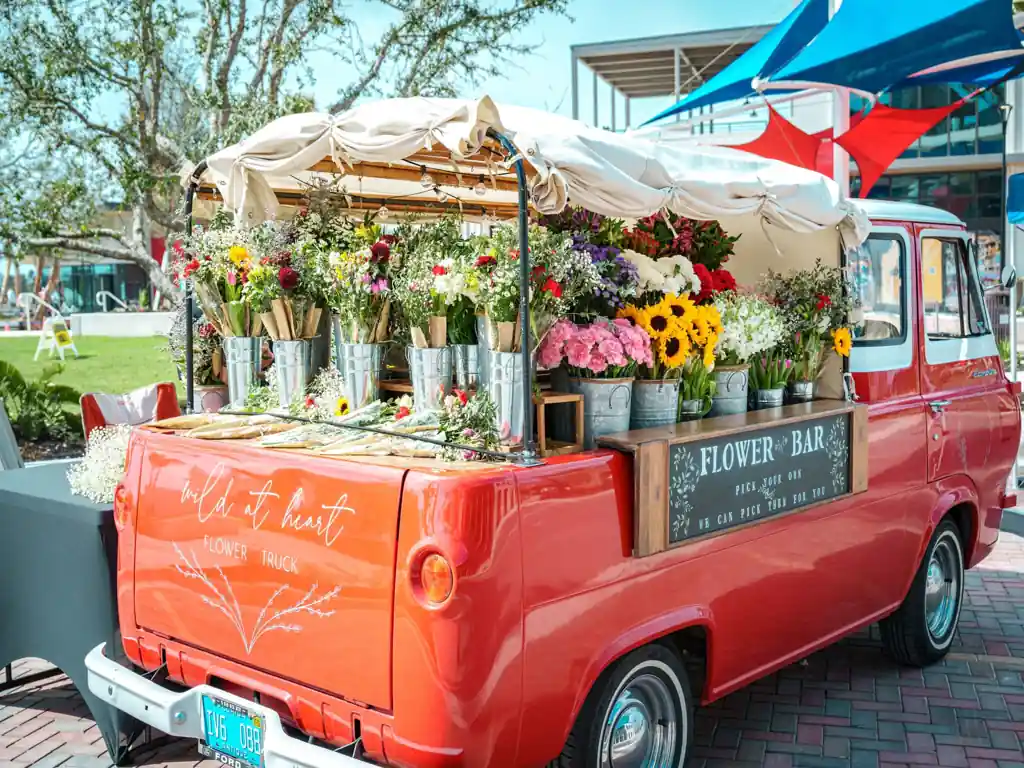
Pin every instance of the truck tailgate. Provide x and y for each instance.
(281, 561)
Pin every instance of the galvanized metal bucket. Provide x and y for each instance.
(731, 383)
(360, 366)
(655, 403)
(505, 386)
(242, 359)
(801, 391)
(292, 366)
(691, 410)
(606, 406)
(467, 366)
(768, 398)
(483, 350)
(430, 371)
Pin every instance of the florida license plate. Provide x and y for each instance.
(234, 734)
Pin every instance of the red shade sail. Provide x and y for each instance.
(885, 133)
(783, 141)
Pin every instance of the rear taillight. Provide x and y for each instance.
(436, 579)
(120, 507)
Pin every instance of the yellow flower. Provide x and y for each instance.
(700, 329)
(341, 408)
(674, 350)
(238, 255)
(842, 341)
(681, 306)
(658, 321)
(631, 313)
(709, 357)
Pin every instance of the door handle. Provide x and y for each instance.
(938, 405)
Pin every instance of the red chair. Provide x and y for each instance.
(152, 403)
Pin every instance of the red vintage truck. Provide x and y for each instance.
(320, 612)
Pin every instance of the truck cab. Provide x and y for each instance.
(339, 612)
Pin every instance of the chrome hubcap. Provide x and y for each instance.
(942, 589)
(641, 730)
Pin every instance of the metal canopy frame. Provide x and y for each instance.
(667, 65)
(427, 162)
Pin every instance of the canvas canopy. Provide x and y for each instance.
(383, 147)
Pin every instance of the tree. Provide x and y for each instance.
(117, 98)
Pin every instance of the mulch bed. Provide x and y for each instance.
(44, 450)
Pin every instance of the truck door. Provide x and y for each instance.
(960, 379)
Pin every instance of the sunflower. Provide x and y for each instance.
(674, 350)
(681, 306)
(709, 357)
(341, 408)
(658, 321)
(239, 255)
(700, 329)
(714, 319)
(631, 313)
(842, 341)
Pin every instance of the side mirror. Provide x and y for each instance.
(1009, 276)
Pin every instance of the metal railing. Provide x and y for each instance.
(101, 299)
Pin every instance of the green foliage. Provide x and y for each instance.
(36, 407)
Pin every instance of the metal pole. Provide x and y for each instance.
(190, 191)
(841, 124)
(628, 122)
(575, 88)
(677, 79)
(529, 444)
(613, 108)
(1004, 112)
(595, 101)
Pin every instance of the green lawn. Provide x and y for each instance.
(105, 364)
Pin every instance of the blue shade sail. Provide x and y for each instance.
(984, 74)
(770, 52)
(871, 45)
(1015, 199)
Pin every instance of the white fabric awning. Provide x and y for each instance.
(568, 163)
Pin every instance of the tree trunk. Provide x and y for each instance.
(7, 280)
(38, 284)
(141, 255)
(17, 280)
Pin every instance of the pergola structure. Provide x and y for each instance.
(668, 65)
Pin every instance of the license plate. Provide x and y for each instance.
(234, 734)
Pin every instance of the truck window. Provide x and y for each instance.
(878, 268)
(952, 298)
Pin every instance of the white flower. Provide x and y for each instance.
(679, 270)
(750, 326)
(651, 278)
(96, 476)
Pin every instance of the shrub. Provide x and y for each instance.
(36, 408)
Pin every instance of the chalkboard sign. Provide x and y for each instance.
(750, 475)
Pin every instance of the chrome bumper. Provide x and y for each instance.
(180, 714)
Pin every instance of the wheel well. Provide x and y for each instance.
(963, 516)
(691, 644)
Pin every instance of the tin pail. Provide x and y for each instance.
(505, 386)
(801, 391)
(483, 349)
(467, 366)
(292, 366)
(242, 359)
(430, 371)
(360, 366)
(691, 410)
(655, 403)
(731, 383)
(768, 398)
(606, 406)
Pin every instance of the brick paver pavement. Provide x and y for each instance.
(847, 706)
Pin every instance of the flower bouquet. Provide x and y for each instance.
(602, 358)
(751, 326)
(471, 421)
(286, 288)
(819, 307)
(769, 375)
(359, 284)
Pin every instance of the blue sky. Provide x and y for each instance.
(543, 80)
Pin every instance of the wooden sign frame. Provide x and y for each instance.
(651, 449)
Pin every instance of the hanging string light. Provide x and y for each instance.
(480, 188)
(442, 196)
(383, 212)
(426, 180)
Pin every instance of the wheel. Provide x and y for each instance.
(921, 631)
(639, 715)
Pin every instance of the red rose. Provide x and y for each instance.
(439, 270)
(310, 401)
(288, 278)
(555, 289)
(707, 284)
(538, 271)
(483, 261)
(824, 302)
(402, 413)
(463, 397)
(389, 240)
(191, 267)
(722, 280)
(380, 251)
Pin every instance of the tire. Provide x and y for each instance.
(922, 629)
(648, 680)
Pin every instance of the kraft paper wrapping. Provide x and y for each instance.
(210, 302)
(506, 334)
(281, 316)
(438, 327)
(217, 362)
(270, 323)
(312, 319)
(418, 339)
(255, 323)
(380, 331)
(517, 335)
